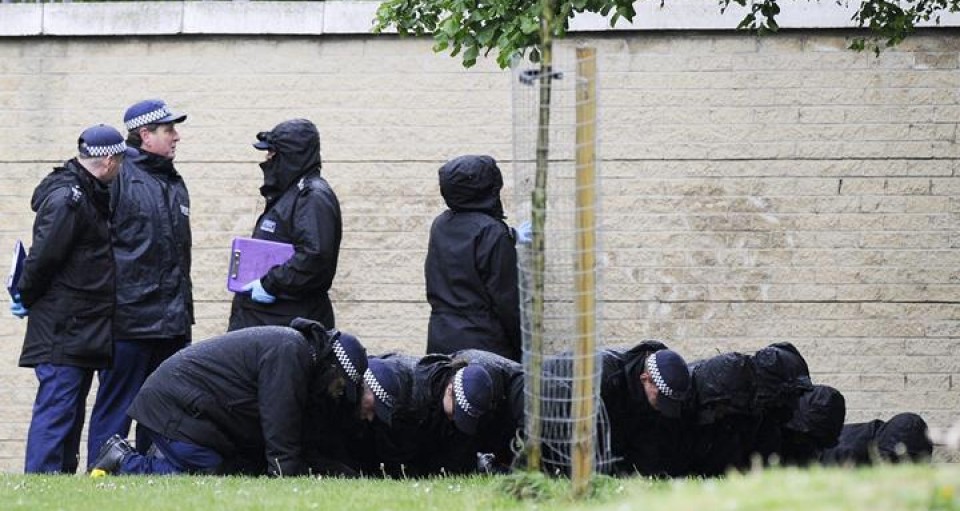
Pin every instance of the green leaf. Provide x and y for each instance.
(470, 56)
(529, 26)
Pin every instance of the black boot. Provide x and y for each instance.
(111, 454)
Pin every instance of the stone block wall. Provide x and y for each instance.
(754, 190)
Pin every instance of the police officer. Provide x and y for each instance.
(503, 425)
(451, 397)
(302, 210)
(67, 289)
(151, 246)
(903, 438)
(471, 264)
(815, 425)
(436, 414)
(241, 402)
(386, 442)
(644, 390)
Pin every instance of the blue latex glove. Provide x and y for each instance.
(525, 233)
(257, 293)
(17, 308)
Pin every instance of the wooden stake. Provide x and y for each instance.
(585, 273)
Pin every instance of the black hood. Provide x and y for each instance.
(634, 358)
(296, 146)
(782, 376)
(317, 336)
(724, 385)
(472, 183)
(819, 414)
(904, 437)
(431, 376)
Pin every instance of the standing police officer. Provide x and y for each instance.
(301, 210)
(67, 288)
(471, 265)
(151, 245)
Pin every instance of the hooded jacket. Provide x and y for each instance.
(902, 438)
(726, 420)
(302, 210)
(244, 394)
(152, 243)
(68, 276)
(471, 264)
(815, 425)
(782, 377)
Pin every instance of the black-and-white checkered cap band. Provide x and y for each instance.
(461, 397)
(103, 150)
(345, 362)
(147, 118)
(657, 377)
(376, 388)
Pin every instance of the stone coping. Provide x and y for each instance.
(355, 17)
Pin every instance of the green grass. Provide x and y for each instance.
(876, 489)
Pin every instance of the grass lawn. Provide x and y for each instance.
(876, 489)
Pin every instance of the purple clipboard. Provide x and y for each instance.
(251, 259)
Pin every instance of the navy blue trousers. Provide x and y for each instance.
(53, 441)
(175, 457)
(133, 361)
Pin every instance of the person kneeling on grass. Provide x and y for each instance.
(451, 398)
(240, 403)
(439, 414)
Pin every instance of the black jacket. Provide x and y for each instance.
(151, 244)
(782, 376)
(302, 210)
(815, 426)
(471, 264)
(68, 277)
(725, 419)
(505, 421)
(391, 450)
(632, 436)
(643, 441)
(243, 394)
(441, 447)
(902, 438)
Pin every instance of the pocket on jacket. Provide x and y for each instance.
(137, 292)
(87, 333)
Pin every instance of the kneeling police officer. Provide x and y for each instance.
(240, 402)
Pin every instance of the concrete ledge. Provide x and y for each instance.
(349, 17)
(356, 17)
(122, 18)
(253, 17)
(706, 15)
(21, 19)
